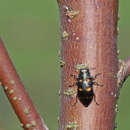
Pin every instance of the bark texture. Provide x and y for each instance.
(17, 95)
(89, 36)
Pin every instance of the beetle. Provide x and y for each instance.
(85, 82)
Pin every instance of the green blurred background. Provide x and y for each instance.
(30, 31)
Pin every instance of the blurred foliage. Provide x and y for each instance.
(30, 31)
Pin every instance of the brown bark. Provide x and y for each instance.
(89, 36)
(17, 95)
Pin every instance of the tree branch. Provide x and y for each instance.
(89, 36)
(124, 71)
(17, 95)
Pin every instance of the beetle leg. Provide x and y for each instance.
(94, 96)
(97, 75)
(74, 76)
(95, 83)
(72, 85)
(75, 101)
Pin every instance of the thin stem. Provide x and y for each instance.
(124, 71)
(17, 95)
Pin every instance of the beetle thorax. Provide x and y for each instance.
(85, 84)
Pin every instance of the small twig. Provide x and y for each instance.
(17, 95)
(124, 71)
